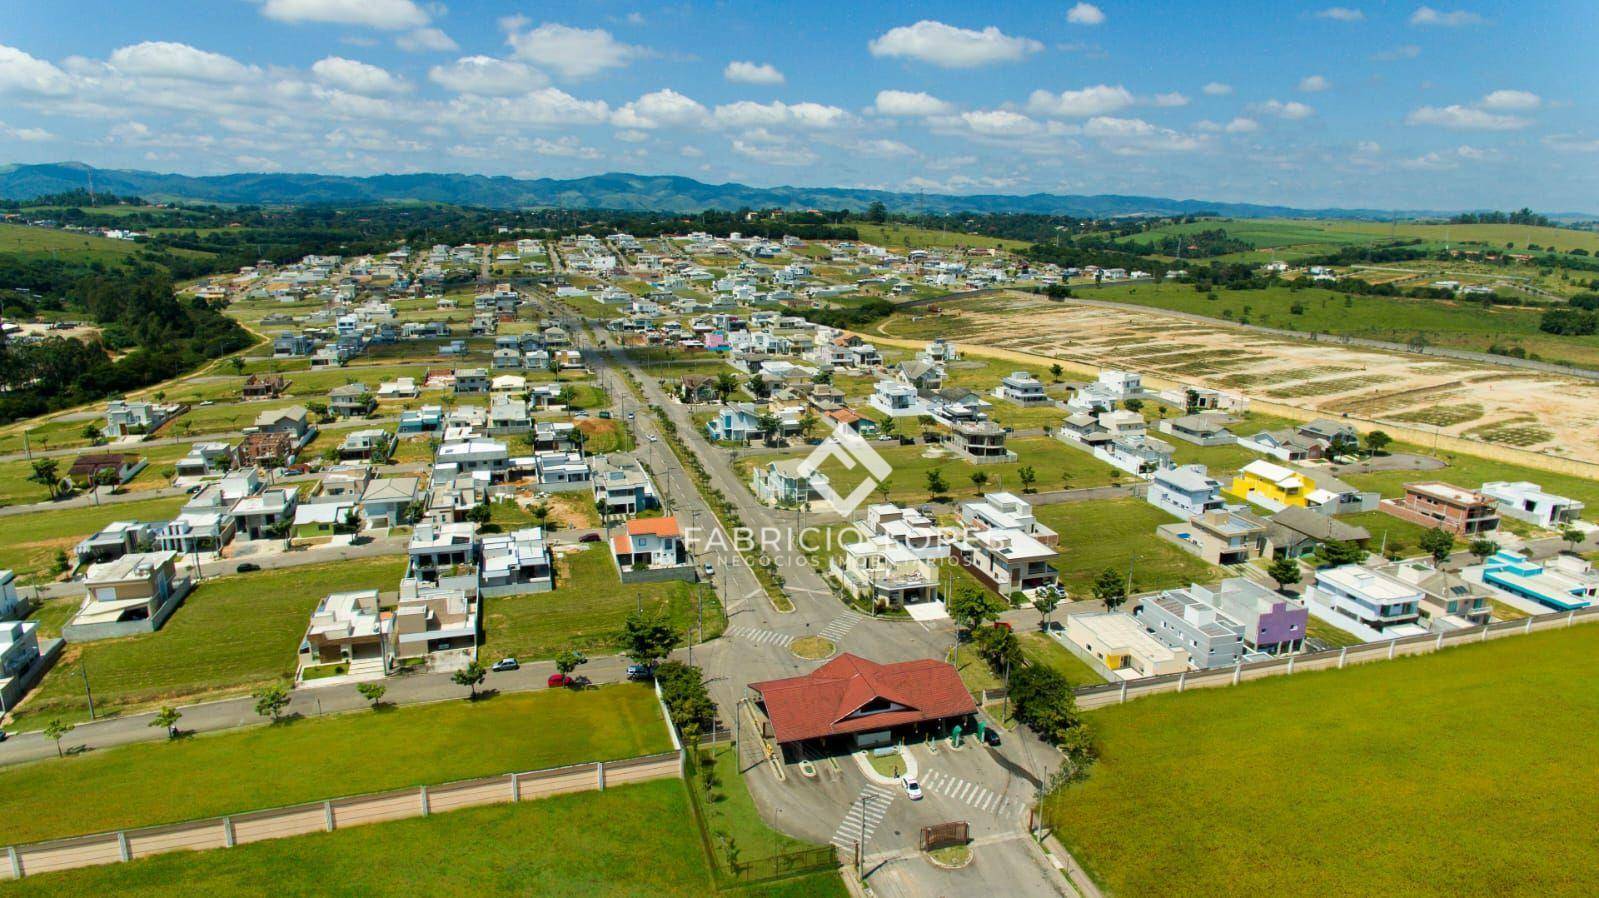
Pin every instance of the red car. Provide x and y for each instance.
(559, 679)
(589, 538)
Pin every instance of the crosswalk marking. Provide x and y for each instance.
(970, 793)
(759, 636)
(861, 820)
(840, 626)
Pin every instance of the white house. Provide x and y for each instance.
(1526, 501)
(1185, 491)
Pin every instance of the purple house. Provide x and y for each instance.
(1273, 623)
(717, 342)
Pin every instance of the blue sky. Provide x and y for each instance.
(1387, 105)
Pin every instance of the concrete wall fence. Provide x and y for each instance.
(331, 814)
(1090, 697)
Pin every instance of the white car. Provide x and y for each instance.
(913, 789)
(654, 438)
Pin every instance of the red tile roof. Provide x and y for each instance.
(822, 702)
(666, 526)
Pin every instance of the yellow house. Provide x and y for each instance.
(1273, 486)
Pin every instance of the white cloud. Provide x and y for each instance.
(567, 146)
(1426, 15)
(1241, 125)
(1341, 14)
(572, 52)
(1170, 100)
(390, 15)
(1511, 100)
(22, 73)
(950, 47)
(1368, 148)
(26, 135)
(1311, 84)
(747, 114)
(1217, 89)
(1096, 100)
(661, 108)
(1292, 110)
(1571, 143)
(164, 59)
(1465, 118)
(999, 123)
(544, 107)
(487, 76)
(1085, 14)
(774, 154)
(881, 148)
(357, 77)
(426, 40)
(631, 136)
(1131, 136)
(752, 73)
(905, 102)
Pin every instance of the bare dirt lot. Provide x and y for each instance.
(1528, 410)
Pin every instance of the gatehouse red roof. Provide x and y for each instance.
(850, 694)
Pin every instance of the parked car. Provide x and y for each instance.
(991, 737)
(654, 438)
(559, 679)
(247, 567)
(589, 538)
(913, 789)
(640, 672)
(506, 664)
(709, 570)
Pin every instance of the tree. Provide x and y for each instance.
(91, 432)
(44, 474)
(1110, 587)
(758, 386)
(270, 701)
(935, 482)
(999, 647)
(979, 478)
(1572, 537)
(1133, 405)
(683, 690)
(1482, 548)
(568, 661)
(771, 426)
(1027, 476)
(55, 731)
(480, 513)
(1056, 371)
(372, 692)
(1338, 552)
(167, 719)
(1440, 543)
(1342, 444)
(971, 606)
(808, 423)
(1378, 442)
(1043, 700)
(877, 213)
(647, 638)
(1285, 571)
(237, 362)
(726, 385)
(1045, 603)
(471, 676)
(887, 426)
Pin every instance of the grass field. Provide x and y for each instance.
(1308, 236)
(267, 766)
(231, 634)
(629, 842)
(29, 242)
(29, 542)
(1447, 774)
(905, 237)
(586, 610)
(1115, 534)
(1041, 649)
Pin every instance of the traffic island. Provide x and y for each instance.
(950, 857)
(812, 648)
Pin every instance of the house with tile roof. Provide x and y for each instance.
(851, 702)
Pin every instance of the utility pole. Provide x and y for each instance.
(860, 847)
(83, 668)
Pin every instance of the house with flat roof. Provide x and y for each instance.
(437, 616)
(1527, 501)
(852, 703)
(1460, 511)
(1220, 537)
(918, 533)
(1120, 643)
(205, 459)
(258, 516)
(1185, 491)
(1005, 511)
(981, 442)
(1007, 560)
(1449, 600)
(880, 570)
(490, 457)
(1274, 624)
(622, 485)
(897, 399)
(19, 649)
(132, 594)
(1021, 388)
(133, 417)
(348, 628)
(516, 562)
(1561, 583)
(1179, 620)
(1367, 597)
(437, 546)
(11, 606)
(115, 540)
(781, 482)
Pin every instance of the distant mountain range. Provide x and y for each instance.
(654, 193)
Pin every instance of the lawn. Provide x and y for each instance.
(629, 842)
(1117, 534)
(266, 766)
(1041, 649)
(36, 243)
(29, 542)
(731, 810)
(586, 610)
(905, 237)
(1387, 778)
(1472, 472)
(231, 634)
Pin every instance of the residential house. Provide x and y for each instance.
(1368, 598)
(1179, 620)
(115, 540)
(649, 544)
(1185, 491)
(1123, 646)
(697, 388)
(206, 459)
(140, 588)
(735, 423)
(260, 515)
(347, 628)
(1561, 583)
(1295, 532)
(267, 449)
(920, 374)
(294, 421)
(114, 467)
(19, 649)
(267, 386)
(885, 573)
(1202, 429)
(516, 562)
(1272, 486)
(1526, 501)
(1460, 511)
(124, 418)
(435, 616)
(1273, 624)
(435, 546)
(1221, 537)
(783, 483)
(427, 419)
(385, 501)
(471, 456)
(352, 400)
(365, 443)
(509, 415)
(622, 485)
(1449, 600)
(558, 471)
(982, 442)
(1007, 560)
(917, 532)
(1285, 444)
(1004, 511)
(11, 606)
(1022, 388)
(471, 381)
